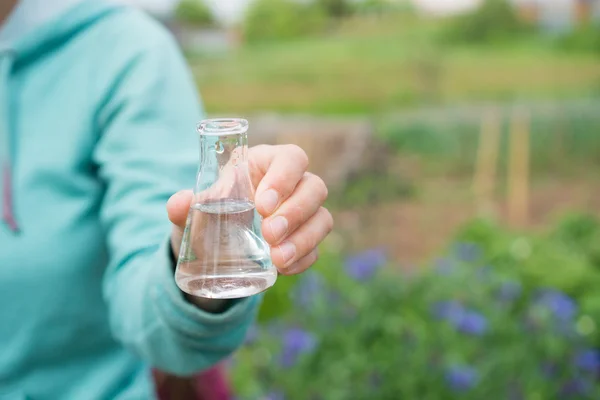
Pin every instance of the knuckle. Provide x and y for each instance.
(299, 154)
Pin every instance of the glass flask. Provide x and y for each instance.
(223, 254)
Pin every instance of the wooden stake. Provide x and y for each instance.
(518, 170)
(487, 160)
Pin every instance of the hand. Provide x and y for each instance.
(289, 198)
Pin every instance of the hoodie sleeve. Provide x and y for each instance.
(148, 150)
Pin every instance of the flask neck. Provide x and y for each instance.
(220, 151)
(223, 172)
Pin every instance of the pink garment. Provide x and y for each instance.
(7, 209)
(211, 384)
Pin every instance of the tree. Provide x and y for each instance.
(494, 20)
(282, 19)
(194, 12)
(336, 8)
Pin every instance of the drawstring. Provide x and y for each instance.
(8, 216)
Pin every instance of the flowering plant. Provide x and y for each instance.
(459, 329)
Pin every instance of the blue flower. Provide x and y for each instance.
(588, 360)
(310, 287)
(444, 266)
(451, 311)
(473, 323)
(576, 388)
(484, 273)
(510, 291)
(295, 343)
(461, 378)
(467, 252)
(549, 369)
(375, 380)
(251, 335)
(364, 265)
(559, 304)
(275, 395)
(466, 321)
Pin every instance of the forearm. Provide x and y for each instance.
(151, 316)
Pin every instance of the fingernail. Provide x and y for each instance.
(288, 251)
(269, 200)
(279, 226)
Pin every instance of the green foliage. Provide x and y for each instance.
(494, 21)
(370, 189)
(460, 330)
(336, 8)
(277, 300)
(563, 141)
(566, 258)
(282, 20)
(584, 39)
(194, 12)
(448, 146)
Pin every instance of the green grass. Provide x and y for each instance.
(373, 66)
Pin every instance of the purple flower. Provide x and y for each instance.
(467, 252)
(461, 378)
(364, 265)
(310, 287)
(588, 360)
(295, 343)
(275, 395)
(444, 266)
(484, 273)
(251, 335)
(549, 369)
(509, 291)
(466, 321)
(576, 387)
(473, 323)
(559, 304)
(375, 380)
(449, 310)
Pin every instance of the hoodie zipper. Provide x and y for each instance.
(6, 189)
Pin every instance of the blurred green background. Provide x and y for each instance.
(461, 145)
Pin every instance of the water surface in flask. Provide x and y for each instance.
(223, 254)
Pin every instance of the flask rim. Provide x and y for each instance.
(222, 126)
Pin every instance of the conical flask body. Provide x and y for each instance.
(223, 254)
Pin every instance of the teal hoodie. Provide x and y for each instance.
(97, 130)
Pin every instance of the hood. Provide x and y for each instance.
(34, 29)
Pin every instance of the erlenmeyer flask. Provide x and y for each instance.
(223, 254)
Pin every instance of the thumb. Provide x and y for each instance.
(178, 207)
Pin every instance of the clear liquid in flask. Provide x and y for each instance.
(223, 254)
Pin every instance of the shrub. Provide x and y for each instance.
(493, 21)
(282, 19)
(584, 39)
(460, 329)
(567, 257)
(194, 12)
(336, 8)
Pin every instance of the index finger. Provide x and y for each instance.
(276, 170)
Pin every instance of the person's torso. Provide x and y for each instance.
(54, 328)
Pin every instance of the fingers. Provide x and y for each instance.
(304, 202)
(278, 169)
(178, 207)
(304, 240)
(302, 264)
